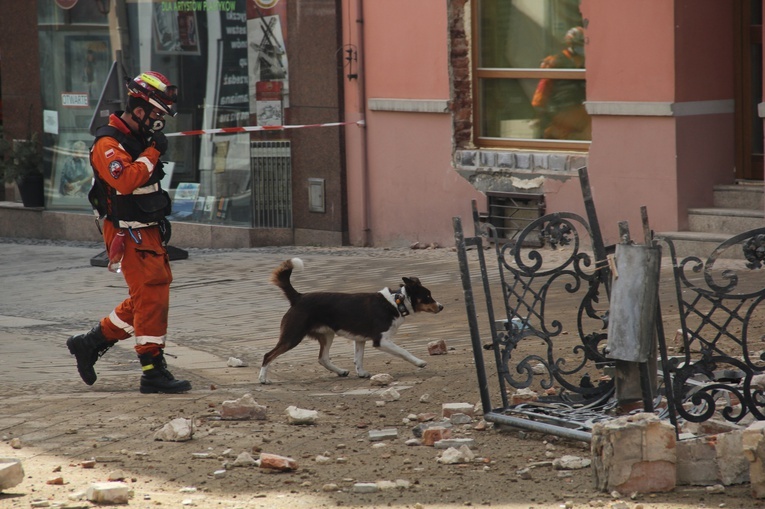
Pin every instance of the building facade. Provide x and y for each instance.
(402, 113)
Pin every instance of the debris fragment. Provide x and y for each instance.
(297, 415)
(243, 408)
(11, 473)
(177, 430)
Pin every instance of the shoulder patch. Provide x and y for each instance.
(109, 153)
(115, 169)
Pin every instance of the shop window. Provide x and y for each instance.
(529, 68)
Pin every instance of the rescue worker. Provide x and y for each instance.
(559, 103)
(127, 193)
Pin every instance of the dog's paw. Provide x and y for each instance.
(263, 381)
(343, 373)
(363, 374)
(420, 364)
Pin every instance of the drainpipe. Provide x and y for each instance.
(366, 225)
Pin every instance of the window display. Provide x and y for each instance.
(230, 63)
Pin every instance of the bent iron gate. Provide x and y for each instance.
(546, 317)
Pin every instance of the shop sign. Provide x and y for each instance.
(266, 4)
(74, 100)
(66, 4)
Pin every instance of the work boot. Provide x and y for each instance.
(156, 377)
(87, 348)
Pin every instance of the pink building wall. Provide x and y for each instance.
(413, 189)
(672, 54)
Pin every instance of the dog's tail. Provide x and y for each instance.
(281, 278)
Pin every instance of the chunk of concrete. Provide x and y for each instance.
(634, 453)
(298, 416)
(11, 473)
(108, 493)
(243, 408)
(177, 430)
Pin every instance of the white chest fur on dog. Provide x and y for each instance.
(360, 317)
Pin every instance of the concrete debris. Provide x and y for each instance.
(448, 409)
(526, 184)
(233, 362)
(419, 430)
(375, 435)
(715, 489)
(329, 487)
(568, 462)
(57, 481)
(523, 396)
(425, 398)
(15, 443)
(108, 493)
(524, 473)
(437, 347)
(634, 453)
(365, 487)
(381, 379)
(390, 394)
(276, 462)
(455, 443)
(243, 408)
(219, 474)
(11, 473)
(177, 430)
(451, 455)
(244, 459)
(298, 416)
(460, 418)
(116, 475)
(91, 463)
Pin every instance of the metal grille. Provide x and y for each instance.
(272, 180)
(509, 213)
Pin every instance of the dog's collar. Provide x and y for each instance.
(398, 299)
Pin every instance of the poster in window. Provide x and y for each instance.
(175, 32)
(267, 53)
(72, 175)
(88, 59)
(184, 200)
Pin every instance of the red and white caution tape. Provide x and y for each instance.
(247, 129)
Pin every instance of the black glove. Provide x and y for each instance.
(159, 142)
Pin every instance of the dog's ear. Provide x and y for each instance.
(411, 281)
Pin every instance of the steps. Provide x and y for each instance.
(737, 208)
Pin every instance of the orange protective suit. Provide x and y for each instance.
(559, 103)
(145, 264)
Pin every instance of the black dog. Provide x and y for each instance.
(360, 317)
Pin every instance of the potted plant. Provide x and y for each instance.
(21, 161)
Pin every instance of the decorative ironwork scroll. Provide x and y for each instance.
(720, 345)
